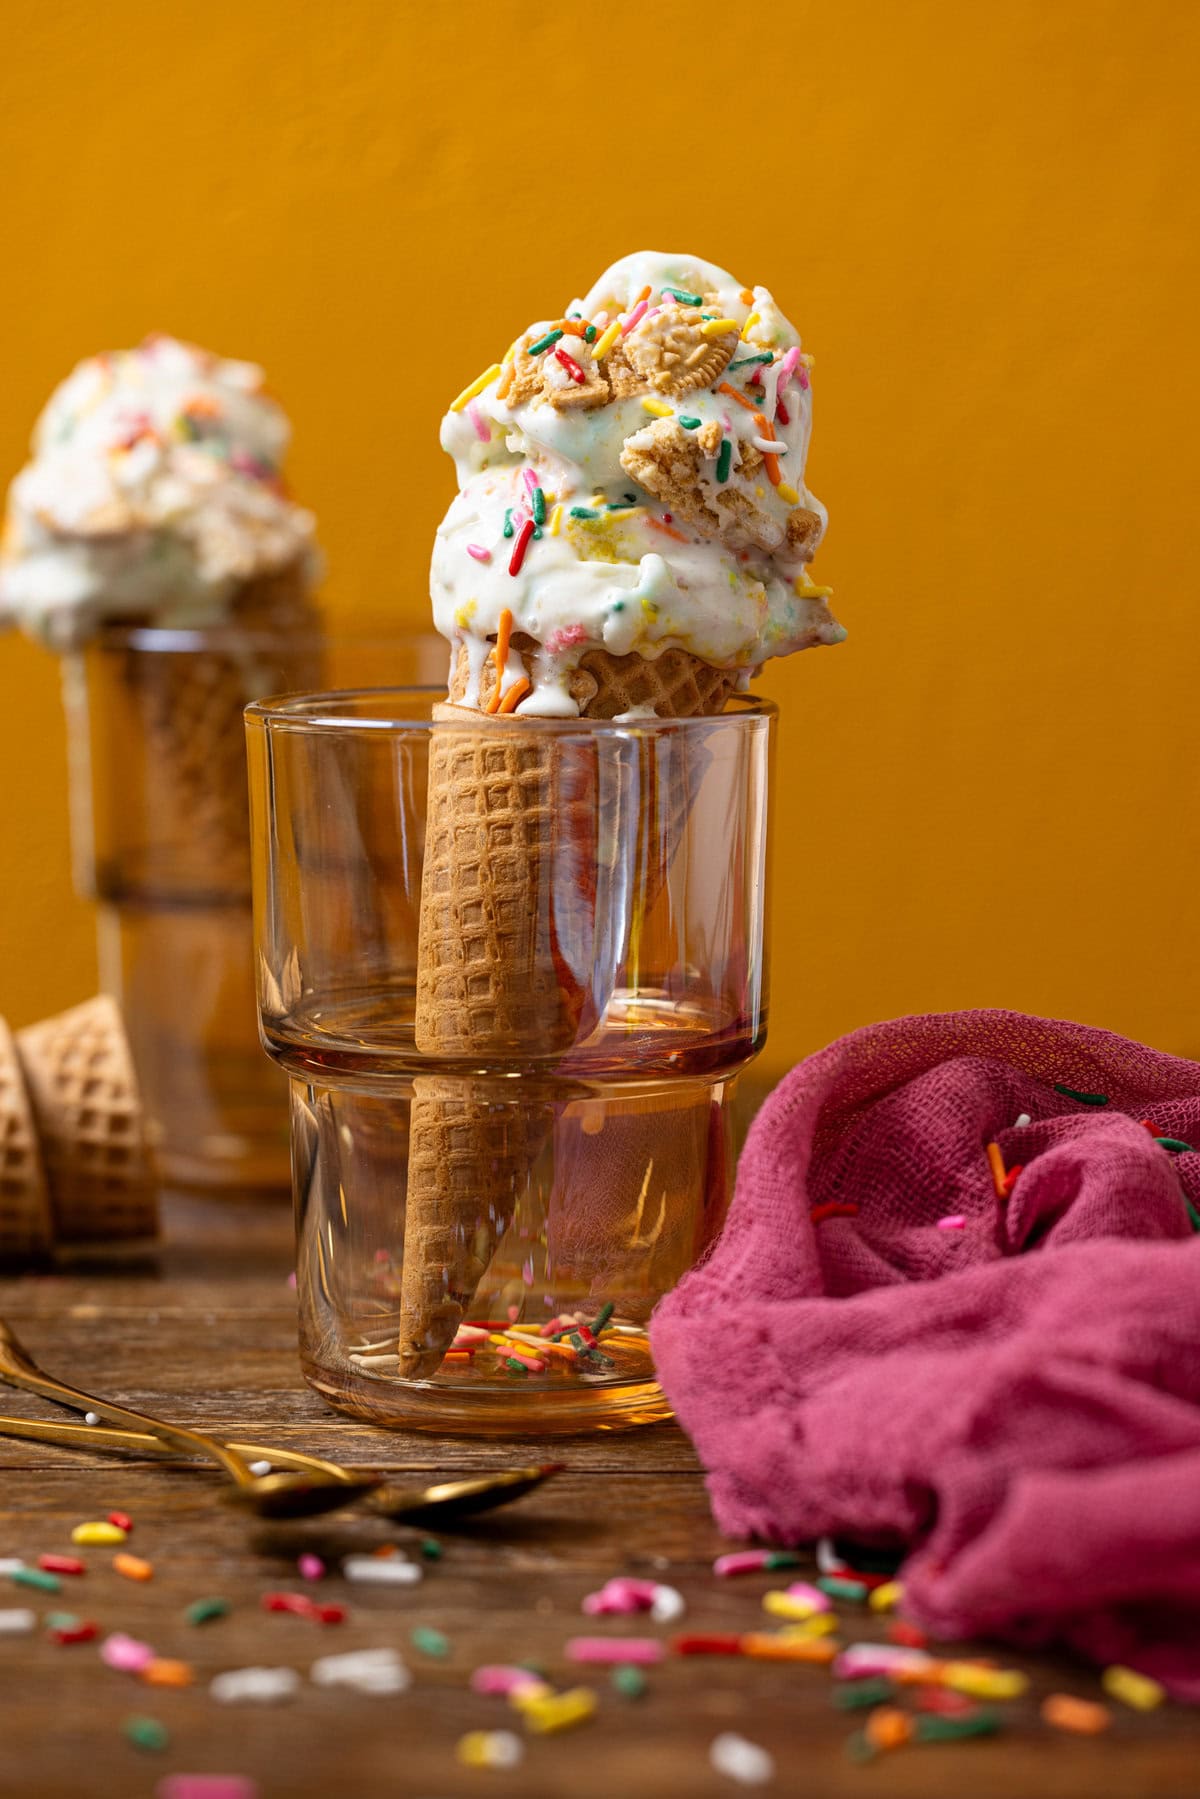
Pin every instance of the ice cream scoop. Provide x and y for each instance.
(631, 479)
(154, 491)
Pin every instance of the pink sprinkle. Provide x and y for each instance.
(482, 429)
(470, 1333)
(548, 1329)
(480, 554)
(615, 1649)
(635, 317)
(624, 1594)
(494, 1678)
(742, 1561)
(531, 482)
(802, 378)
(514, 1313)
(382, 1255)
(564, 638)
(862, 1661)
(654, 311)
(311, 1567)
(954, 1222)
(207, 1786)
(808, 1595)
(527, 1271)
(292, 1280)
(534, 1364)
(125, 1653)
(787, 368)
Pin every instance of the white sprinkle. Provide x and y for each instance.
(504, 1749)
(91, 1417)
(262, 1686)
(366, 1359)
(667, 1605)
(260, 1468)
(9, 1564)
(770, 446)
(1022, 1121)
(740, 1760)
(16, 1623)
(828, 1559)
(381, 1570)
(366, 1670)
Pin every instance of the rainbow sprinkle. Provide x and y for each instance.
(606, 340)
(725, 460)
(477, 386)
(544, 343)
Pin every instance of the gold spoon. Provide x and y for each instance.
(414, 1505)
(296, 1495)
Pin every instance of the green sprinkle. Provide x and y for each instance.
(516, 1367)
(618, 606)
(537, 531)
(538, 1668)
(590, 334)
(1176, 1144)
(629, 1681)
(37, 1577)
(544, 343)
(744, 362)
(725, 459)
(708, 315)
(601, 1319)
(1194, 1216)
(618, 505)
(932, 1729)
(681, 294)
(428, 1641)
(782, 1558)
(539, 506)
(146, 1733)
(203, 1611)
(689, 424)
(508, 524)
(574, 315)
(583, 512)
(1085, 1099)
(858, 1695)
(60, 1620)
(837, 1588)
(431, 1549)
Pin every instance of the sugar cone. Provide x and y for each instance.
(89, 1121)
(515, 839)
(24, 1199)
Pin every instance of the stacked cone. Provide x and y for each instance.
(73, 1162)
(516, 839)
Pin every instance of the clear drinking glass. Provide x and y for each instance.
(512, 968)
(160, 829)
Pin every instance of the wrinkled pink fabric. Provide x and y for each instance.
(1017, 1401)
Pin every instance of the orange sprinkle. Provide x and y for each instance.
(133, 1567)
(167, 1674)
(999, 1173)
(774, 472)
(644, 295)
(735, 395)
(572, 327)
(515, 695)
(746, 297)
(667, 530)
(503, 635)
(1079, 1716)
(761, 1646)
(888, 1727)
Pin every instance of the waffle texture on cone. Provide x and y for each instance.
(24, 1200)
(89, 1121)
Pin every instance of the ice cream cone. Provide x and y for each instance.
(508, 897)
(24, 1200)
(88, 1116)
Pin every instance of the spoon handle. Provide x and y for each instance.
(96, 1437)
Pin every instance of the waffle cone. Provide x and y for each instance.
(88, 1116)
(508, 904)
(24, 1199)
(190, 709)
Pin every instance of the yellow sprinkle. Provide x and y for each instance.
(561, 1711)
(101, 1532)
(529, 1693)
(984, 1683)
(749, 326)
(657, 408)
(788, 494)
(605, 341)
(511, 351)
(887, 1597)
(786, 1605)
(555, 521)
(717, 327)
(477, 386)
(760, 492)
(485, 1749)
(821, 1624)
(809, 362)
(807, 588)
(1132, 1688)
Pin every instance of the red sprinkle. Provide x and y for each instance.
(834, 1208)
(713, 1644)
(942, 1700)
(1010, 1179)
(75, 1633)
(572, 367)
(910, 1635)
(1148, 1124)
(520, 547)
(330, 1614)
(122, 1520)
(299, 1603)
(60, 1564)
(782, 413)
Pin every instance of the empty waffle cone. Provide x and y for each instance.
(89, 1122)
(515, 837)
(190, 709)
(24, 1199)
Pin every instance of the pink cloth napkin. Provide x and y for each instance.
(1016, 1400)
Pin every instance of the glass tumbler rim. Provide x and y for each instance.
(333, 712)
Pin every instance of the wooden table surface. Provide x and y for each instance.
(205, 1333)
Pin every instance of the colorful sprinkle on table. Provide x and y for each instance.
(1085, 1099)
(205, 1611)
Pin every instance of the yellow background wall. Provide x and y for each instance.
(984, 218)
